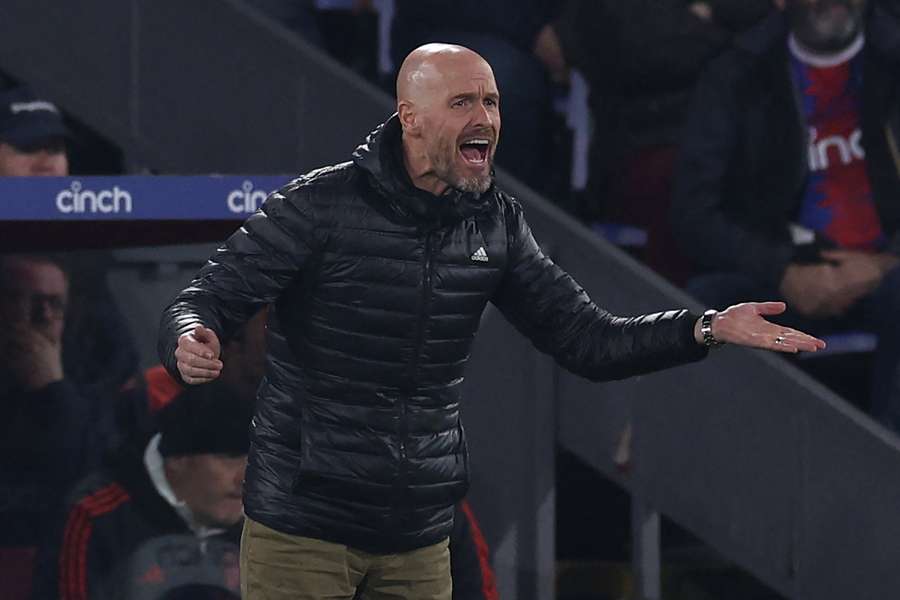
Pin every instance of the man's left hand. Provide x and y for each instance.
(745, 325)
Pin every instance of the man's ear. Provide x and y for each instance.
(408, 118)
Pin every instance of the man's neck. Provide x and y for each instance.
(419, 167)
(823, 60)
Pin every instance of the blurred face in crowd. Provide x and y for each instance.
(33, 292)
(450, 110)
(825, 25)
(210, 484)
(44, 158)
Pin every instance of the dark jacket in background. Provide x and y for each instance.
(47, 442)
(378, 289)
(119, 538)
(641, 59)
(516, 21)
(744, 158)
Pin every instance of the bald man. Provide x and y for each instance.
(379, 270)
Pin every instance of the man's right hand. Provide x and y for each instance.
(197, 355)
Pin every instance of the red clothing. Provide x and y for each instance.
(838, 200)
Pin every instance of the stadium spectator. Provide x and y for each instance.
(640, 59)
(790, 174)
(51, 435)
(505, 33)
(32, 135)
(161, 516)
(99, 354)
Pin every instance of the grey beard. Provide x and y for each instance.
(473, 185)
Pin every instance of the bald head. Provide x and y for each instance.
(425, 70)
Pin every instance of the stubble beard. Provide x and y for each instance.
(443, 160)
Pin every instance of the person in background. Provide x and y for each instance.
(789, 176)
(32, 136)
(161, 515)
(641, 59)
(99, 352)
(51, 434)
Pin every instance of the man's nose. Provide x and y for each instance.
(45, 310)
(483, 117)
(47, 163)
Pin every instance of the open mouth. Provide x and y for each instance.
(475, 151)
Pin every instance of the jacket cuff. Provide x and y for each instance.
(694, 350)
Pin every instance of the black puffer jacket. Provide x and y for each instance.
(379, 288)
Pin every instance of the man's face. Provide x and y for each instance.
(34, 293)
(461, 124)
(48, 158)
(212, 486)
(826, 25)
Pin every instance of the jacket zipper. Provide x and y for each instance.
(417, 351)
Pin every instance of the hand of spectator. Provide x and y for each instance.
(549, 51)
(858, 273)
(33, 358)
(745, 325)
(814, 290)
(702, 10)
(197, 355)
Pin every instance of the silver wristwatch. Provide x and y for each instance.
(709, 340)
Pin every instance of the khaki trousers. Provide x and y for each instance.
(280, 566)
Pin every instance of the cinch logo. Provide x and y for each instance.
(78, 201)
(847, 150)
(246, 199)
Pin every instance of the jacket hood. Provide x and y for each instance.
(381, 157)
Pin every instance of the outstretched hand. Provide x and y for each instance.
(745, 325)
(198, 355)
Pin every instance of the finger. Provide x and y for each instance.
(196, 360)
(204, 334)
(199, 372)
(194, 347)
(770, 308)
(793, 341)
(195, 380)
(798, 337)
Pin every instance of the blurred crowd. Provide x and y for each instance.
(756, 144)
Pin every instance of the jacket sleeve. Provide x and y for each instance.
(470, 560)
(74, 559)
(702, 227)
(556, 314)
(250, 270)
